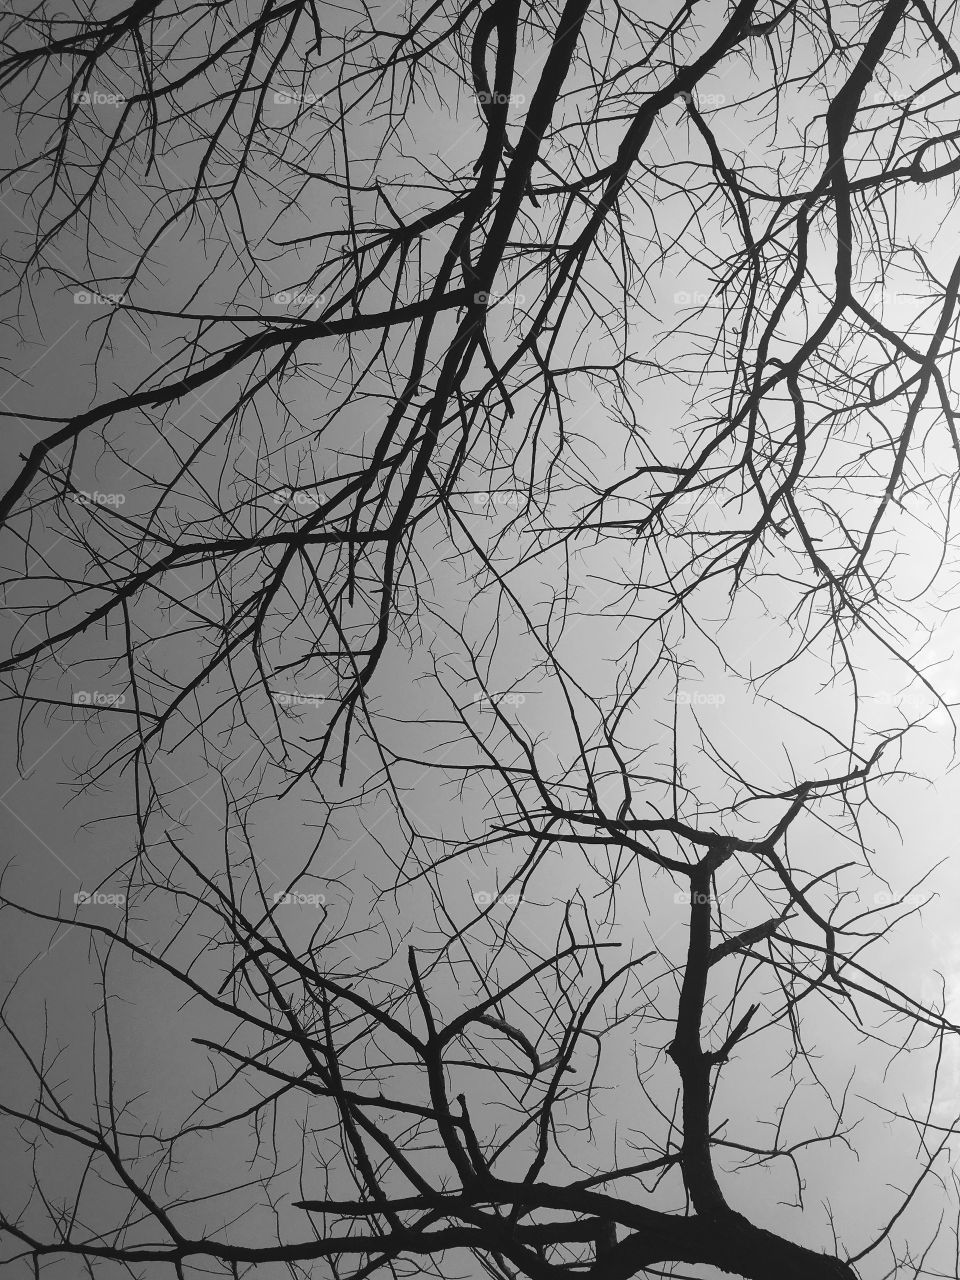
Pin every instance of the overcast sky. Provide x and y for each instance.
(60, 842)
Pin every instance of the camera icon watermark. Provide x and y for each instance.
(491, 501)
(684, 298)
(489, 700)
(884, 898)
(686, 698)
(490, 97)
(295, 498)
(688, 898)
(97, 499)
(702, 500)
(96, 98)
(882, 99)
(95, 698)
(904, 701)
(491, 300)
(287, 698)
(88, 298)
(292, 898)
(702, 101)
(296, 98)
(484, 899)
(98, 899)
(298, 298)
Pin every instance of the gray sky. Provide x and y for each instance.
(59, 844)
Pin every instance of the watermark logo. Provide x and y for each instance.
(683, 298)
(299, 899)
(95, 698)
(298, 298)
(700, 499)
(294, 97)
(484, 899)
(883, 898)
(295, 498)
(688, 898)
(86, 98)
(490, 501)
(908, 701)
(882, 99)
(491, 98)
(96, 499)
(97, 899)
(87, 298)
(702, 101)
(491, 300)
(494, 699)
(286, 698)
(886, 299)
(699, 699)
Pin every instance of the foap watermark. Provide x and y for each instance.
(483, 700)
(287, 698)
(295, 498)
(907, 701)
(884, 898)
(490, 97)
(684, 298)
(702, 101)
(88, 298)
(96, 898)
(96, 698)
(97, 98)
(491, 501)
(484, 899)
(296, 899)
(698, 499)
(695, 897)
(887, 299)
(884, 99)
(697, 698)
(298, 298)
(491, 300)
(97, 499)
(296, 98)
